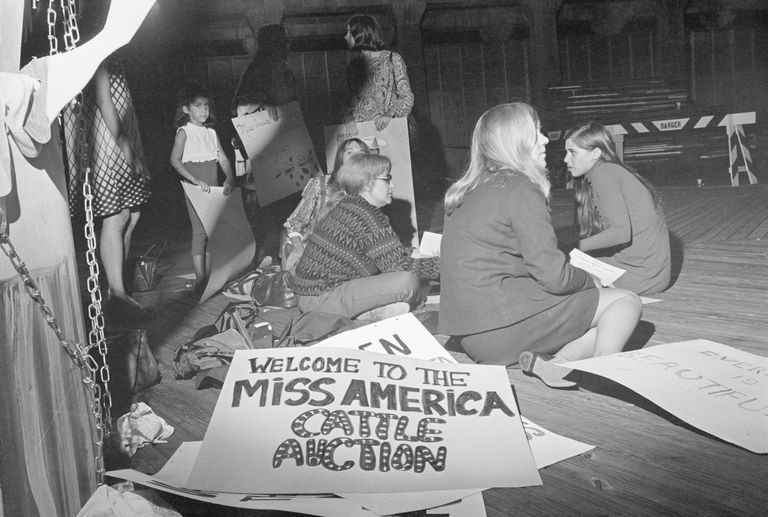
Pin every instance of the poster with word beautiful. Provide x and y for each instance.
(392, 142)
(280, 151)
(319, 420)
(718, 389)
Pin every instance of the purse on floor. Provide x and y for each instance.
(274, 288)
(244, 318)
(141, 367)
(147, 270)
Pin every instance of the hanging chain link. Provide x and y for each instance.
(100, 396)
(71, 30)
(53, 42)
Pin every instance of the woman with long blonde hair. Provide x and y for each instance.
(508, 294)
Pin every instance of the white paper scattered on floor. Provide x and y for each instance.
(718, 389)
(547, 447)
(647, 300)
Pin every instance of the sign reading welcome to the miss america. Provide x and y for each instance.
(316, 420)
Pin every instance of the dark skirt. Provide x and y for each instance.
(546, 332)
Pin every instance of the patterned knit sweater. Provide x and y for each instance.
(354, 240)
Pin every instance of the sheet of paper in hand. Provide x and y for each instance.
(606, 273)
(430, 244)
(281, 152)
(317, 420)
(718, 389)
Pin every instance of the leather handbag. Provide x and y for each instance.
(274, 288)
(141, 367)
(147, 271)
(207, 353)
(244, 318)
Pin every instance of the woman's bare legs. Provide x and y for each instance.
(112, 248)
(132, 222)
(618, 312)
(616, 317)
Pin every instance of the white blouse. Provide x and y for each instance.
(201, 145)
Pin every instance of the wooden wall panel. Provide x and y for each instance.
(606, 58)
(517, 72)
(641, 48)
(730, 67)
(465, 79)
(621, 67)
(600, 50)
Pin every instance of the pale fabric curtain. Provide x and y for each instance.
(46, 449)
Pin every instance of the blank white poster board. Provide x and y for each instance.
(392, 142)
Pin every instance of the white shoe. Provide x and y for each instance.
(386, 311)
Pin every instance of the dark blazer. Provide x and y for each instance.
(499, 258)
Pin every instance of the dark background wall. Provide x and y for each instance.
(463, 57)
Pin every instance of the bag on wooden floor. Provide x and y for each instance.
(206, 353)
(147, 271)
(141, 366)
(244, 318)
(274, 288)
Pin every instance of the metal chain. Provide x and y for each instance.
(101, 397)
(53, 43)
(75, 350)
(71, 30)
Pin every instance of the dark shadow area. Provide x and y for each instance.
(678, 254)
(399, 213)
(640, 337)
(428, 161)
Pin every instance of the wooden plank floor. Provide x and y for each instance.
(646, 462)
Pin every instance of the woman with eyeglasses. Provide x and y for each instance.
(353, 263)
(313, 199)
(508, 294)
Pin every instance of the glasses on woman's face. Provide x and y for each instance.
(387, 178)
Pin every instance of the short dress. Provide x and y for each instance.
(114, 184)
(201, 151)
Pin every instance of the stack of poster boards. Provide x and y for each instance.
(374, 421)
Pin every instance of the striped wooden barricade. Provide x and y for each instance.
(740, 158)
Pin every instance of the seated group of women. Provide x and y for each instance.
(508, 293)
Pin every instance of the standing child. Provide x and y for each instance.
(195, 155)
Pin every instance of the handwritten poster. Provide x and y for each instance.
(230, 239)
(401, 335)
(316, 420)
(549, 448)
(404, 335)
(393, 143)
(716, 388)
(172, 479)
(280, 151)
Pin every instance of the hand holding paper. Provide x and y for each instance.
(430, 244)
(606, 273)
